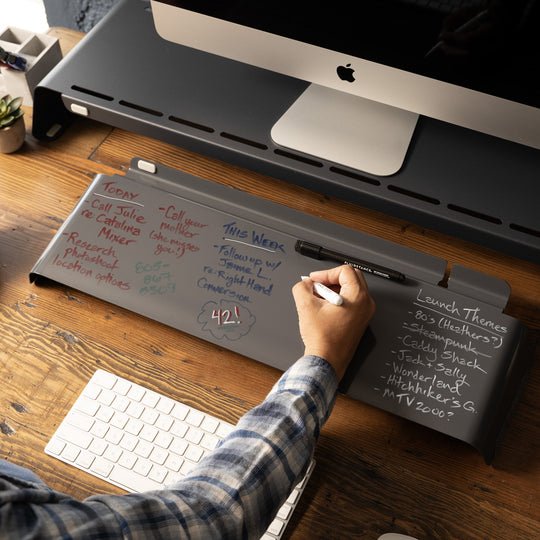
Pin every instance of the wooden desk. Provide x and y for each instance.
(375, 472)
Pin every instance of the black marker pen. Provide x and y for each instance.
(318, 252)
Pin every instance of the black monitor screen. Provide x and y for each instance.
(496, 49)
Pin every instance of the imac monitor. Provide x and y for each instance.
(376, 65)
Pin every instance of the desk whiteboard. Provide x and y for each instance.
(220, 264)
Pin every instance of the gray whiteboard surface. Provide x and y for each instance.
(220, 264)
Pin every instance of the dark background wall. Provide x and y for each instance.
(76, 14)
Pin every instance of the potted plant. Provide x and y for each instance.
(12, 129)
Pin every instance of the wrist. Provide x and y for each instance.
(336, 361)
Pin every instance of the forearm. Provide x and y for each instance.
(273, 444)
(233, 493)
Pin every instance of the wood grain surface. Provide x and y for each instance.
(375, 472)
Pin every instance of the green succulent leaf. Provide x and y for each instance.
(15, 103)
(7, 121)
(10, 110)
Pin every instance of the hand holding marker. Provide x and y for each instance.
(326, 293)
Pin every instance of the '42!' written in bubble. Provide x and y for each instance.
(225, 319)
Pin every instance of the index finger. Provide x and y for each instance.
(350, 280)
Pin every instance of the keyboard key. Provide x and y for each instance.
(122, 386)
(180, 411)
(149, 416)
(106, 397)
(99, 429)
(178, 446)
(292, 497)
(82, 421)
(97, 447)
(164, 440)
(68, 432)
(143, 449)
(105, 414)
(142, 467)
(164, 422)
(120, 403)
(119, 420)
(194, 435)
(55, 447)
(194, 418)
(158, 455)
(209, 442)
(85, 460)
(86, 406)
(150, 399)
(209, 424)
(194, 453)
(179, 429)
(131, 481)
(105, 379)
(224, 429)
(70, 452)
(127, 460)
(114, 435)
(92, 390)
(158, 474)
(148, 432)
(112, 453)
(134, 426)
(173, 462)
(135, 409)
(136, 392)
(101, 467)
(129, 442)
(284, 512)
(186, 467)
(276, 527)
(165, 405)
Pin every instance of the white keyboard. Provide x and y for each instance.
(140, 440)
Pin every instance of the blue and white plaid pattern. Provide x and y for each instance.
(234, 493)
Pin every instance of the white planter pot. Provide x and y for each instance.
(12, 137)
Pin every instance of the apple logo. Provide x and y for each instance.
(345, 73)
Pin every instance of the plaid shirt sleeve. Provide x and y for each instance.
(233, 493)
